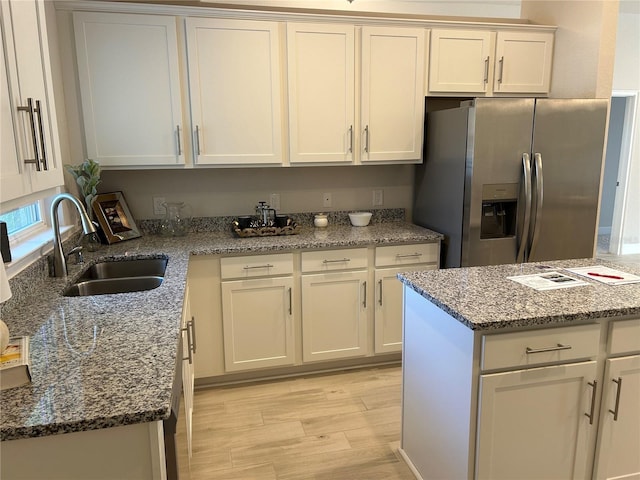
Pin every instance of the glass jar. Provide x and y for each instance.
(177, 219)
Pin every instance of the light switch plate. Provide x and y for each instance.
(274, 201)
(378, 198)
(158, 206)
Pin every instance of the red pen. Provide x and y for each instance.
(615, 277)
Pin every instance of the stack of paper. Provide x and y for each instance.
(607, 275)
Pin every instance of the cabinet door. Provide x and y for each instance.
(188, 376)
(321, 73)
(235, 89)
(334, 315)
(523, 62)
(619, 438)
(257, 319)
(13, 181)
(392, 104)
(459, 61)
(389, 309)
(130, 88)
(534, 421)
(28, 80)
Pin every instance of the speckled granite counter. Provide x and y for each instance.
(109, 360)
(483, 298)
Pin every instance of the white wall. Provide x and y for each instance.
(626, 77)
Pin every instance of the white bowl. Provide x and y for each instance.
(360, 219)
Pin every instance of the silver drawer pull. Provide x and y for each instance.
(410, 255)
(343, 260)
(558, 346)
(616, 410)
(268, 265)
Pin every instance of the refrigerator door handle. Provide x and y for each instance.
(526, 183)
(537, 164)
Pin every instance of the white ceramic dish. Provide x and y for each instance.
(360, 219)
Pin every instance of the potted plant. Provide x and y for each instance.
(87, 176)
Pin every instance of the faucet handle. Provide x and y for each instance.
(77, 252)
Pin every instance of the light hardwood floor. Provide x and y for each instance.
(338, 426)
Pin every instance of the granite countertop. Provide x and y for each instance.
(109, 360)
(483, 298)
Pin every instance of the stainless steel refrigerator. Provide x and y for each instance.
(512, 179)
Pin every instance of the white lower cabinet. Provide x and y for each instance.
(544, 409)
(618, 450)
(257, 323)
(334, 315)
(257, 320)
(388, 289)
(619, 438)
(188, 367)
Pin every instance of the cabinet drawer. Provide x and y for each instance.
(534, 347)
(406, 254)
(625, 336)
(331, 260)
(256, 266)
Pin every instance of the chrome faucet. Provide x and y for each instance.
(59, 259)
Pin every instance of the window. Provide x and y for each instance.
(24, 220)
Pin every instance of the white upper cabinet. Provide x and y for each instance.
(482, 62)
(30, 147)
(392, 98)
(324, 94)
(459, 61)
(235, 91)
(321, 72)
(523, 62)
(129, 79)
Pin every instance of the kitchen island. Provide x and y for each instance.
(504, 381)
(108, 363)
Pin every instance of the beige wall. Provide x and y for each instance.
(585, 44)
(236, 191)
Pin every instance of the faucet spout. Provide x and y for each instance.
(59, 259)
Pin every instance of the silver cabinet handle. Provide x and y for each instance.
(593, 401)
(557, 347)
(526, 183)
(198, 139)
(189, 350)
(34, 139)
(486, 69)
(364, 302)
(178, 140)
(350, 139)
(616, 409)
(342, 260)
(409, 255)
(380, 299)
(366, 139)
(43, 150)
(290, 302)
(267, 265)
(501, 64)
(193, 333)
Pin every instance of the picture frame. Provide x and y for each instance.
(114, 217)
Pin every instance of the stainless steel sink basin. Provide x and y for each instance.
(125, 268)
(112, 285)
(120, 276)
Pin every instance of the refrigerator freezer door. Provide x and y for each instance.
(500, 132)
(569, 139)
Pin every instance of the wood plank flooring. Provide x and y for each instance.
(337, 426)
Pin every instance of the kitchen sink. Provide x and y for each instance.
(119, 276)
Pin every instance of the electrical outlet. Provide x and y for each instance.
(158, 206)
(274, 201)
(378, 198)
(326, 199)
